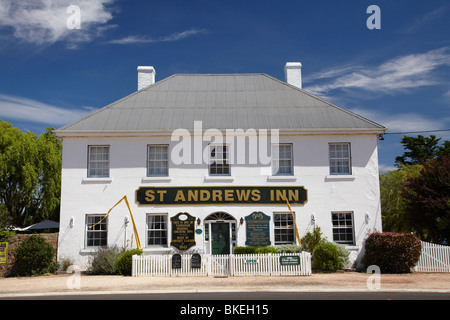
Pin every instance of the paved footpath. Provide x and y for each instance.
(349, 281)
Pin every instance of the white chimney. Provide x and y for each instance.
(293, 73)
(146, 76)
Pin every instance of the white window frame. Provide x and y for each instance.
(159, 158)
(287, 157)
(337, 161)
(341, 225)
(166, 230)
(99, 229)
(91, 162)
(283, 228)
(219, 163)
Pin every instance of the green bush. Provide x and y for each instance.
(34, 256)
(254, 250)
(125, 261)
(326, 257)
(392, 252)
(343, 256)
(288, 248)
(268, 249)
(245, 250)
(105, 262)
(312, 239)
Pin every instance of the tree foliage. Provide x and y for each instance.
(427, 199)
(419, 149)
(30, 174)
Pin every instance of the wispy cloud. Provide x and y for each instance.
(44, 22)
(400, 73)
(28, 110)
(425, 20)
(405, 122)
(136, 39)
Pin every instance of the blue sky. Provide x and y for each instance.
(398, 76)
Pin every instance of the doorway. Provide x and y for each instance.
(220, 236)
(220, 233)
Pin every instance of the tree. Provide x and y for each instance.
(419, 149)
(427, 199)
(30, 174)
(392, 188)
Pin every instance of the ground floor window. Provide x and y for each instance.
(343, 228)
(157, 230)
(283, 228)
(96, 231)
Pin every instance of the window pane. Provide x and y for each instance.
(282, 159)
(98, 164)
(218, 160)
(158, 162)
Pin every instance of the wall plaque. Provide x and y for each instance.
(183, 233)
(196, 261)
(176, 261)
(258, 230)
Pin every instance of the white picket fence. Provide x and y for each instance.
(222, 265)
(433, 258)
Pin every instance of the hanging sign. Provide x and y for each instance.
(183, 231)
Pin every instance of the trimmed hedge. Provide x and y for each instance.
(392, 252)
(34, 256)
(126, 260)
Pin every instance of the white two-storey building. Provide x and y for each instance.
(225, 151)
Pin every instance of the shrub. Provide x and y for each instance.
(105, 262)
(326, 257)
(254, 250)
(343, 256)
(392, 252)
(288, 248)
(34, 256)
(268, 249)
(125, 261)
(245, 250)
(312, 239)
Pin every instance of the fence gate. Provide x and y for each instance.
(220, 265)
(433, 258)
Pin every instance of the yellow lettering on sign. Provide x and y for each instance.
(256, 195)
(229, 195)
(217, 195)
(281, 195)
(192, 195)
(204, 195)
(180, 196)
(161, 195)
(293, 195)
(243, 195)
(150, 195)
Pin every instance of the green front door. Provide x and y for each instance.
(220, 238)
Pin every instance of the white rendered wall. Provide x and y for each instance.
(358, 193)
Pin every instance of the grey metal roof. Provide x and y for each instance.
(221, 101)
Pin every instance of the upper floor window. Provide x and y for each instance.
(343, 227)
(340, 159)
(98, 162)
(219, 160)
(158, 161)
(282, 159)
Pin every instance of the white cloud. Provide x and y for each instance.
(145, 39)
(400, 73)
(44, 22)
(28, 110)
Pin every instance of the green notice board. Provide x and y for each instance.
(258, 229)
